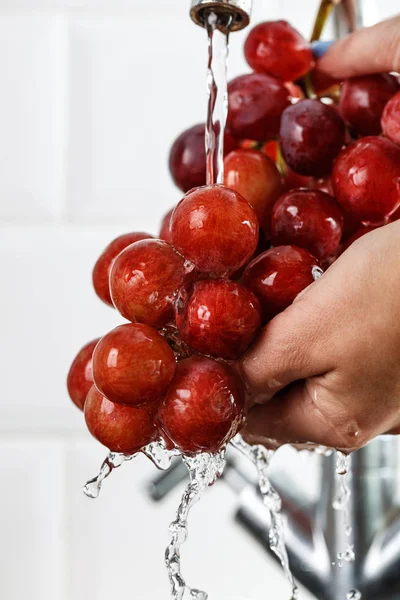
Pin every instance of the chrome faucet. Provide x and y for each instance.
(239, 11)
(315, 532)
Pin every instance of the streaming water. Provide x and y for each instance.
(217, 90)
(341, 502)
(204, 470)
(261, 457)
(156, 452)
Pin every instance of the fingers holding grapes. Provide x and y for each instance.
(326, 369)
(374, 49)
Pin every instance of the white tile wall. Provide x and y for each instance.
(32, 116)
(92, 93)
(33, 518)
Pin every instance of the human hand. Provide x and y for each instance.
(370, 50)
(327, 369)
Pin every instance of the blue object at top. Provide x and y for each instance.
(319, 48)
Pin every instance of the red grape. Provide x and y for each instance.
(312, 134)
(215, 228)
(362, 100)
(309, 219)
(187, 158)
(102, 268)
(219, 317)
(366, 179)
(80, 376)
(133, 365)
(276, 48)
(204, 406)
(278, 275)
(165, 231)
(391, 119)
(144, 280)
(256, 104)
(120, 428)
(256, 178)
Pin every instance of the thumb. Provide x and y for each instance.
(371, 50)
(290, 348)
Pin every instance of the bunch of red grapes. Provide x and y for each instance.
(304, 178)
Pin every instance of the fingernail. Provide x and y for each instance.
(319, 48)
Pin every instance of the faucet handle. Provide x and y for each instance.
(239, 11)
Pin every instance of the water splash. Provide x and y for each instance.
(354, 595)
(114, 460)
(157, 452)
(217, 90)
(341, 502)
(204, 470)
(261, 457)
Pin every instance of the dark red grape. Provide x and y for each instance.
(309, 219)
(366, 179)
(219, 318)
(215, 228)
(278, 275)
(133, 365)
(362, 100)
(256, 104)
(187, 158)
(312, 134)
(204, 406)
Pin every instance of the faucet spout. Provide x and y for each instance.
(237, 11)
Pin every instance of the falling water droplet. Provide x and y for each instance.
(342, 463)
(347, 556)
(261, 457)
(204, 470)
(341, 502)
(353, 595)
(156, 451)
(348, 531)
(114, 460)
